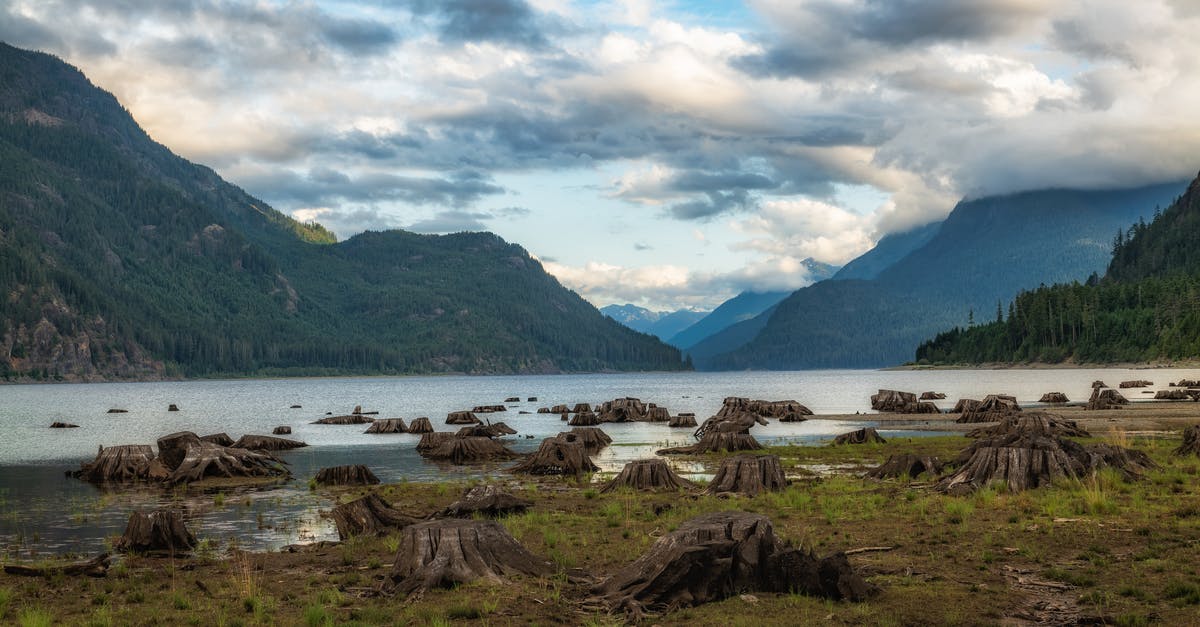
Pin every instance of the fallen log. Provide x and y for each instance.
(750, 475)
(448, 552)
(95, 567)
(648, 475)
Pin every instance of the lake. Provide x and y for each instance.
(42, 511)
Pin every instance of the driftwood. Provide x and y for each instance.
(121, 464)
(993, 408)
(489, 409)
(420, 425)
(282, 430)
(647, 475)
(906, 465)
(1054, 397)
(1140, 383)
(1191, 442)
(63, 425)
(715, 556)
(458, 450)
(1106, 398)
(716, 443)
(488, 501)
(369, 515)
(491, 430)
(591, 438)
(162, 531)
(1034, 421)
(346, 475)
(557, 456)
(585, 419)
(221, 439)
(447, 552)
(388, 425)
(432, 440)
(267, 443)
(205, 459)
(462, 418)
(351, 419)
(866, 435)
(932, 396)
(95, 567)
(749, 475)
(682, 420)
(622, 410)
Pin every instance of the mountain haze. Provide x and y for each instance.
(119, 259)
(742, 307)
(660, 324)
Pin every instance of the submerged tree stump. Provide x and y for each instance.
(205, 459)
(494, 430)
(682, 420)
(432, 440)
(63, 425)
(122, 464)
(592, 438)
(458, 450)
(993, 408)
(489, 501)
(447, 552)
(893, 401)
(557, 456)
(282, 430)
(462, 418)
(351, 419)
(1139, 383)
(648, 475)
(622, 410)
(420, 425)
(1054, 397)
(162, 531)
(369, 515)
(715, 556)
(357, 474)
(267, 443)
(1171, 395)
(580, 408)
(388, 425)
(560, 409)
(221, 439)
(489, 409)
(794, 417)
(658, 414)
(1106, 398)
(1191, 442)
(585, 419)
(866, 435)
(750, 475)
(906, 465)
(716, 443)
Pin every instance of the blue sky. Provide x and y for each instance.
(668, 154)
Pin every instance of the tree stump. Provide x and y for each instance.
(560, 409)
(580, 408)
(205, 459)
(993, 408)
(351, 419)
(388, 425)
(1098, 384)
(282, 430)
(1133, 464)
(543, 410)
(1106, 398)
(715, 556)
(63, 425)
(749, 475)
(716, 443)
(432, 440)
(346, 475)
(892, 401)
(369, 515)
(121, 464)
(794, 417)
(866, 435)
(462, 418)
(420, 425)
(174, 447)
(447, 552)
(221, 439)
(649, 475)
(906, 465)
(931, 396)
(585, 419)
(682, 420)
(162, 531)
(1020, 459)
(489, 501)
(513, 399)
(622, 410)
(495, 430)
(1036, 421)
(458, 450)
(489, 409)
(592, 438)
(266, 443)
(1054, 397)
(1171, 395)
(1139, 383)
(557, 456)
(965, 405)
(1191, 442)
(172, 407)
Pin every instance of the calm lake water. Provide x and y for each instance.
(42, 511)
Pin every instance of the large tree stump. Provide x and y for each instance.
(221, 439)
(458, 450)
(369, 515)
(462, 418)
(121, 464)
(715, 556)
(906, 465)
(585, 419)
(162, 531)
(560, 409)
(357, 474)
(1054, 397)
(432, 440)
(447, 552)
(420, 425)
(965, 405)
(716, 443)
(267, 443)
(592, 438)
(388, 425)
(658, 414)
(682, 420)
(1035, 421)
(993, 408)
(1106, 398)
(866, 435)
(1019, 459)
(621, 410)
(648, 475)
(282, 430)
(492, 430)
(351, 419)
(1191, 442)
(205, 460)
(580, 408)
(749, 475)
(557, 456)
(489, 501)
(893, 401)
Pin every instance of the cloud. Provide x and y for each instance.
(451, 222)
(325, 186)
(506, 21)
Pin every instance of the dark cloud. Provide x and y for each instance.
(507, 21)
(325, 186)
(359, 37)
(713, 204)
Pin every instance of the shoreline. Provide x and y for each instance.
(1039, 365)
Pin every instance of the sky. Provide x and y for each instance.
(667, 154)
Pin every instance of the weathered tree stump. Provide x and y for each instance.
(1171, 395)
(513, 399)
(584, 419)
(658, 414)
(489, 409)
(162, 531)
(420, 425)
(122, 464)
(682, 420)
(369, 515)
(557, 456)
(205, 459)
(892, 401)
(1191, 442)
(716, 443)
(906, 465)
(352, 419)
(560, 409)
(591, 438)
(1020, 459)
(648, 475)
(1098, 384)
(432, 440)
(117, 411)
(581, 407)
(172, 407)
(750, 475)
(1132, 463)
(95, 567)
(1035, 421)
(63, 425)
(965, 405)
(931, 396)
(462, 418)
(174, 447)
(221, 439)
(735, 405)
(282, 430)
(489, 501)
(451, 551)
(622, 410)
(543, 410)
(993, 408)
(1054, 397)
(1186, 383)
(493, 430)
(357, 474)
(1139, 383)
(794, 417)
(1106, 398)
(715, 556)
(458, 450)
(866, 435)
(388, 425)
(267, 443)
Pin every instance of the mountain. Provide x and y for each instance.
(888, 250)
(742, 307)
(119, 259)
(1142, 310)
(982, 255)
(661, 324)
